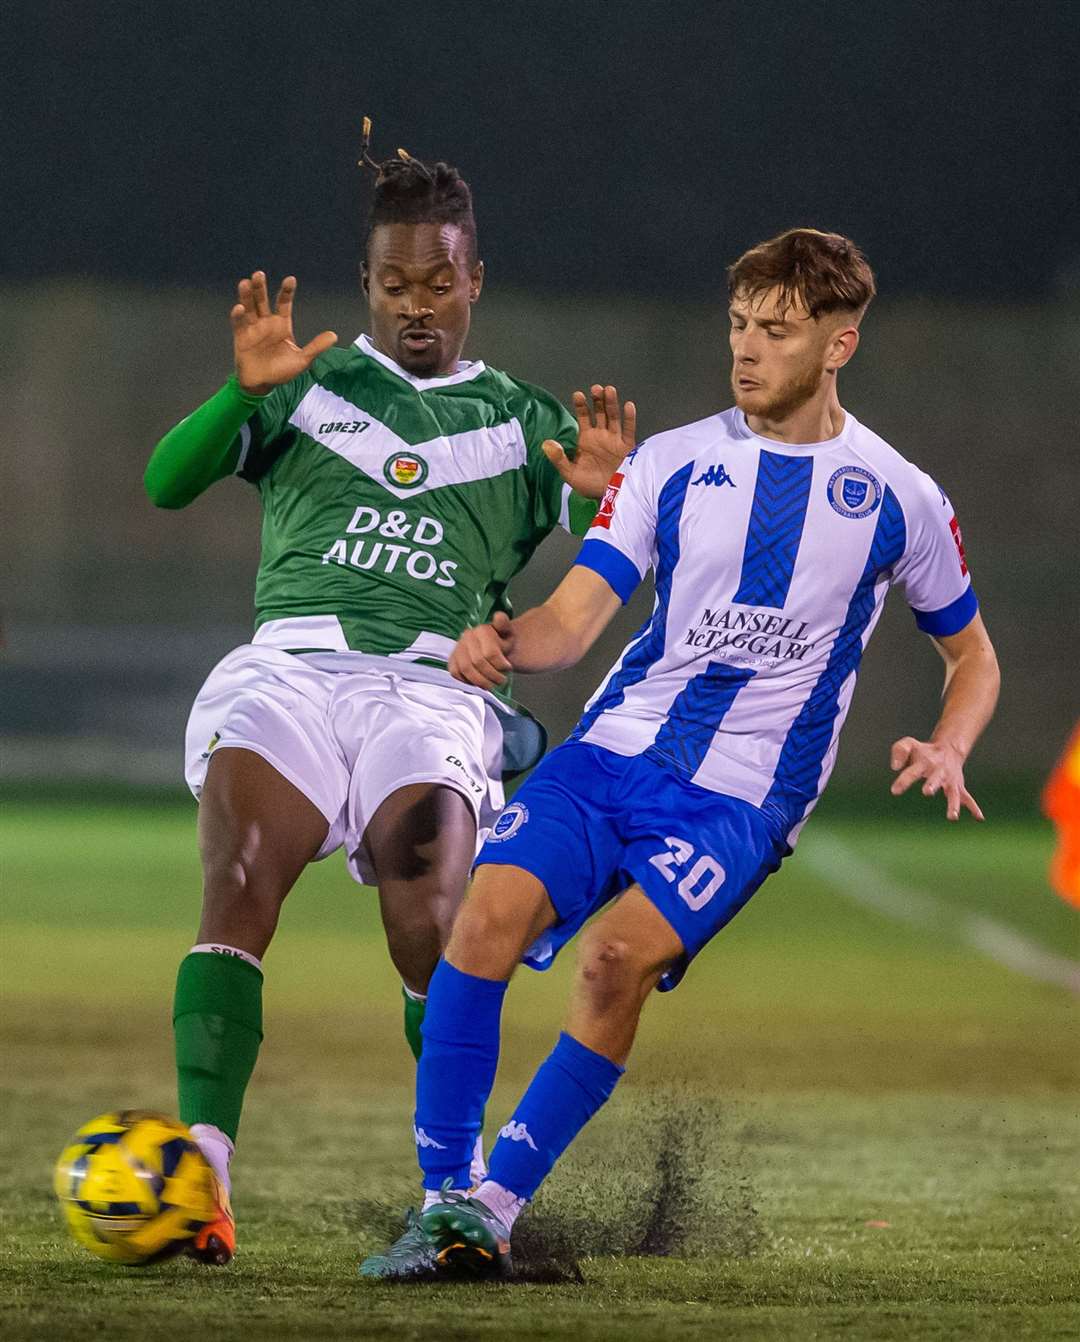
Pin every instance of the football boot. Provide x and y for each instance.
(469, 1238)
(457, 1237)
(215, 1243)
(413, 1256)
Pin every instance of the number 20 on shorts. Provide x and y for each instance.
(705, 868)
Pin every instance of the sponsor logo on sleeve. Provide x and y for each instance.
(607, 504)
(958, 540)
(853, 492)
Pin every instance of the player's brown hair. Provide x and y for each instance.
(825, 272)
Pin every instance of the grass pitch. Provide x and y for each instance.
(839, 1126)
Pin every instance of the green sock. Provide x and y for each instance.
(217, 1021)
(414, 1018)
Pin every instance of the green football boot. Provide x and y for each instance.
(457, 1237)
(469, 1239)
(414, 1256)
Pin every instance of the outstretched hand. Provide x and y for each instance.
(940, 765)
(605, 435)
(481, 655)
(264, 350)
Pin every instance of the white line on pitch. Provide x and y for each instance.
(851, 875)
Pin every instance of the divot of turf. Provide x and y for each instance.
(676, 1187)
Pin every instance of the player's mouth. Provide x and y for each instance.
(418, 341)
(746, 383)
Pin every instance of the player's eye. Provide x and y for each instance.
(440, 289)
(777, 335)
(394, 288)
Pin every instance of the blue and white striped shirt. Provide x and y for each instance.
(772, 562)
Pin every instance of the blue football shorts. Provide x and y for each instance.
(588, 823)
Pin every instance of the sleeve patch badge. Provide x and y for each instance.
(606, 510)
(954, 527)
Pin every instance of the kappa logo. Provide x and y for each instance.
(422, 1139)
(853, 492)
(508, 824)
(715, 475)
(405, 469)
(517, 1132)
(606, 510)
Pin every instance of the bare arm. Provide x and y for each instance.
(972, 681)
(546, 638)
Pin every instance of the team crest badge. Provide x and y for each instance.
(854, 492)
(508, 824)
(406, 470)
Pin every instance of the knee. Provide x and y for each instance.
(487, 921)
(235, 872)
(491, 932)
(610, 975)
(420, 909)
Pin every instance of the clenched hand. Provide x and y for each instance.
(481, 655)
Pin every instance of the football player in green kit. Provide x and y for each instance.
(402, 489)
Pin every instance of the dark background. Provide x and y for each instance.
(637, 146)
(621, 156)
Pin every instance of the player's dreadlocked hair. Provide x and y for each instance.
(410, 192)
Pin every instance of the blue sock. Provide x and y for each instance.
(571, 1085)
(456, 1071)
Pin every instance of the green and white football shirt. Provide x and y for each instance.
(397, 509)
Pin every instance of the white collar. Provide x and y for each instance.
(465, 371)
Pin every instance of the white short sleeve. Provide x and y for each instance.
(621, 543)
(933, 570)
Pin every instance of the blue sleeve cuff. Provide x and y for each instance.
(612, 565)
(951, 618)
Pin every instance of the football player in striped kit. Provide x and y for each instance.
(774, 531)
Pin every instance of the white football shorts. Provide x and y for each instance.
(347, 738)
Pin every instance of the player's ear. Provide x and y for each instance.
(843, 345)
(365, 279)
(476, 281)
